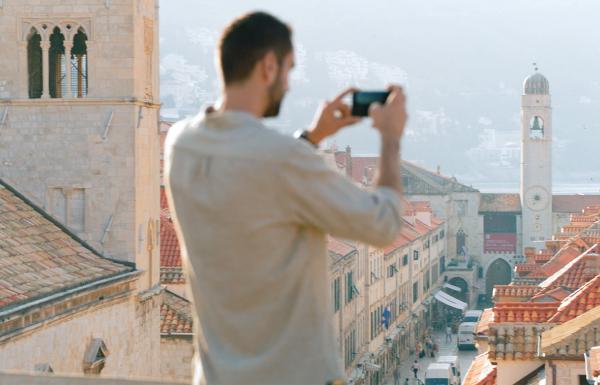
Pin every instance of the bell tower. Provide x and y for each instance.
(536, 161)
(79, 113)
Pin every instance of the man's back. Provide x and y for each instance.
(252, 208)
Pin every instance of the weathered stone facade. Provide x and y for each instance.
(176, 357)
(128, 326)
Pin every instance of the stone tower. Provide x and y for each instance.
(79, 112)
(536, 161)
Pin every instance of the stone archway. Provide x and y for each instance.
(498, 273)
(463, 295)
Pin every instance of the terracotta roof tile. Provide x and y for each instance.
(39, 257)
(537, 312)
(585, 298)
(560, 259)
(481, 372)
(400, 241)
(170, 253)
(555, 294)
(575, 273)
(573, 203)
(175, 315)
(339, 247)
(487, 317)
(515, 291)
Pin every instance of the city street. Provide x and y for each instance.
(446, 349)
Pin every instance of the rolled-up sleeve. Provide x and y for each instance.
(320, 197)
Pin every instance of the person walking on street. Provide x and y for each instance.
(448, 333)
(406, 381)
(397, 375)
(415, 368)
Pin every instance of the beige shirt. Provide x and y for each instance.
(252, 208)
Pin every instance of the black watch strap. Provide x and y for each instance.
(304, 135)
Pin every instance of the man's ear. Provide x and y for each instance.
(269, 66)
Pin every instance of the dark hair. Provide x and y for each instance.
(247, 40)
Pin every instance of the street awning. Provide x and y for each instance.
(452, 287)
(449, 300)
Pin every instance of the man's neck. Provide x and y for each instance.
(243, 98)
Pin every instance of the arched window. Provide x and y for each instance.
(536, 127)
(56, 63)
(34, 64)
(79, 65)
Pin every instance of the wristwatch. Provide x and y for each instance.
(303, 134)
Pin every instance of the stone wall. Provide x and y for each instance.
(176, 355)
(129, 328)
(567, 372)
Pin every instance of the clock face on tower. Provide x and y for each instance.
(537, 198)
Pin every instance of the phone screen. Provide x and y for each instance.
(361, 101)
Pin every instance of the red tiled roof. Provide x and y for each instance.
(170, 253)
(38, 257)
(557, 294)
(526, 268)
(400, 241)
(515, 291)
(585, 298)
(576, 273)
(524, 311)
(487, 317)
(573, 203)
(364, 168)
(481, 372)
(421, 227)
(560, 259)
(338, 247)
(175, 315)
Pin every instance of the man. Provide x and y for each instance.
(448, 333)
(415, 368)
(252, 209)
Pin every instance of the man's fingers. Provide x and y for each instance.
(345, 110)
(341, 96)
(374, 110)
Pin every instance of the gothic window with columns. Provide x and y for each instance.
(57, 60)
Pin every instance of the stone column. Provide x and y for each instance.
(68, 46)
(46, 69)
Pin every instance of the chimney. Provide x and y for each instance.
(439, 170)
(349, 161)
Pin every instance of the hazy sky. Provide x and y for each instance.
(462, 63)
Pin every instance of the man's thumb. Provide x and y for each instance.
(375, 112)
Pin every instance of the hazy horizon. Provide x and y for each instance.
(462, 65)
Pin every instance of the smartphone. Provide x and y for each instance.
(361, 100)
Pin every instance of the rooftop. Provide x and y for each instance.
(39, 256)
(481, 372)
(175, 315)
(500, 203)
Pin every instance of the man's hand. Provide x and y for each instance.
(390, 118)
(331, 117)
